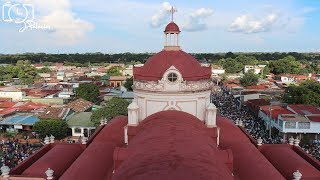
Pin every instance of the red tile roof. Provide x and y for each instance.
(7, 104)
(7, 111)
(80, 105)
(30, 106)
(54, 113)
(187, 65)
(5, 99)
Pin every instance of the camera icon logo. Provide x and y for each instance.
(17, 13)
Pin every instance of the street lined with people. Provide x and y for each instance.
(228, 107)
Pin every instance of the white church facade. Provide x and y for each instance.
(172, 80)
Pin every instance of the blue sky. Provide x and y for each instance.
(112, 26)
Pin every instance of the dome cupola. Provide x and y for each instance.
(171, 35)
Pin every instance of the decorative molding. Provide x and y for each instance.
(196, 85)
(148, 86)
(160, 86)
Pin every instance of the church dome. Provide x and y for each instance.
(156, 66)
(172, 27)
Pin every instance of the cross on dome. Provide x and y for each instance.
(172, 32)
(172, 11)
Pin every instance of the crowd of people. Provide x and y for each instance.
(12, 152)
(313, 149)
(229, 107)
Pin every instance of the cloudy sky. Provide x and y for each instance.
(112, 26)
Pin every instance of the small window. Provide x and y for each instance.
(172, 77)
(77, 130)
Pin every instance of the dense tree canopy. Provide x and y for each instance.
(232, 65)
(114, 71)
(82, 59)
(88, 91)
(306, 93)
(44, 70)
(128, 84)
(286, 65)
(47, 127)
(278, 62)
(249, 79)
(22, 70)
(115, 107)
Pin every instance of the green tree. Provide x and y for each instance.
(223, 77)
(128, 84)
(46, 64)
(114, 107)
(44, 70)
(114, 71)
(232, 66)
(307, 92)
(247, 60)
(26, 72)
(286, 65)
(265, 71)
(249, 79)
(88, 91)
(47, 127)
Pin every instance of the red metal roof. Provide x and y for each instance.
(7, 104)
(287, 161)
(187, 65)
(256, 87)
(314, 118)
(7, 111)
(248, 162)
(304, 109)
(96, 162)
(172, 27)
(59, 158)
(172, 145)
(276, 110)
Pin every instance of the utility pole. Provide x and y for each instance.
(270, 110)
(240, 100)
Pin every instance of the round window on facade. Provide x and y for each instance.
(172, 77)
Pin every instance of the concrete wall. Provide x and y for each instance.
(15, 96)
(192, 103)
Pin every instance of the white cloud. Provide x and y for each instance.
(196, 20)
(250, 24)
(66, 28)
(162, 16)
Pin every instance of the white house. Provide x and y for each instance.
(292, 120)
(217, 71)
(285, 78)
(256, 69)
(12, 92)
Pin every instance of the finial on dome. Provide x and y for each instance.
(172, 11)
